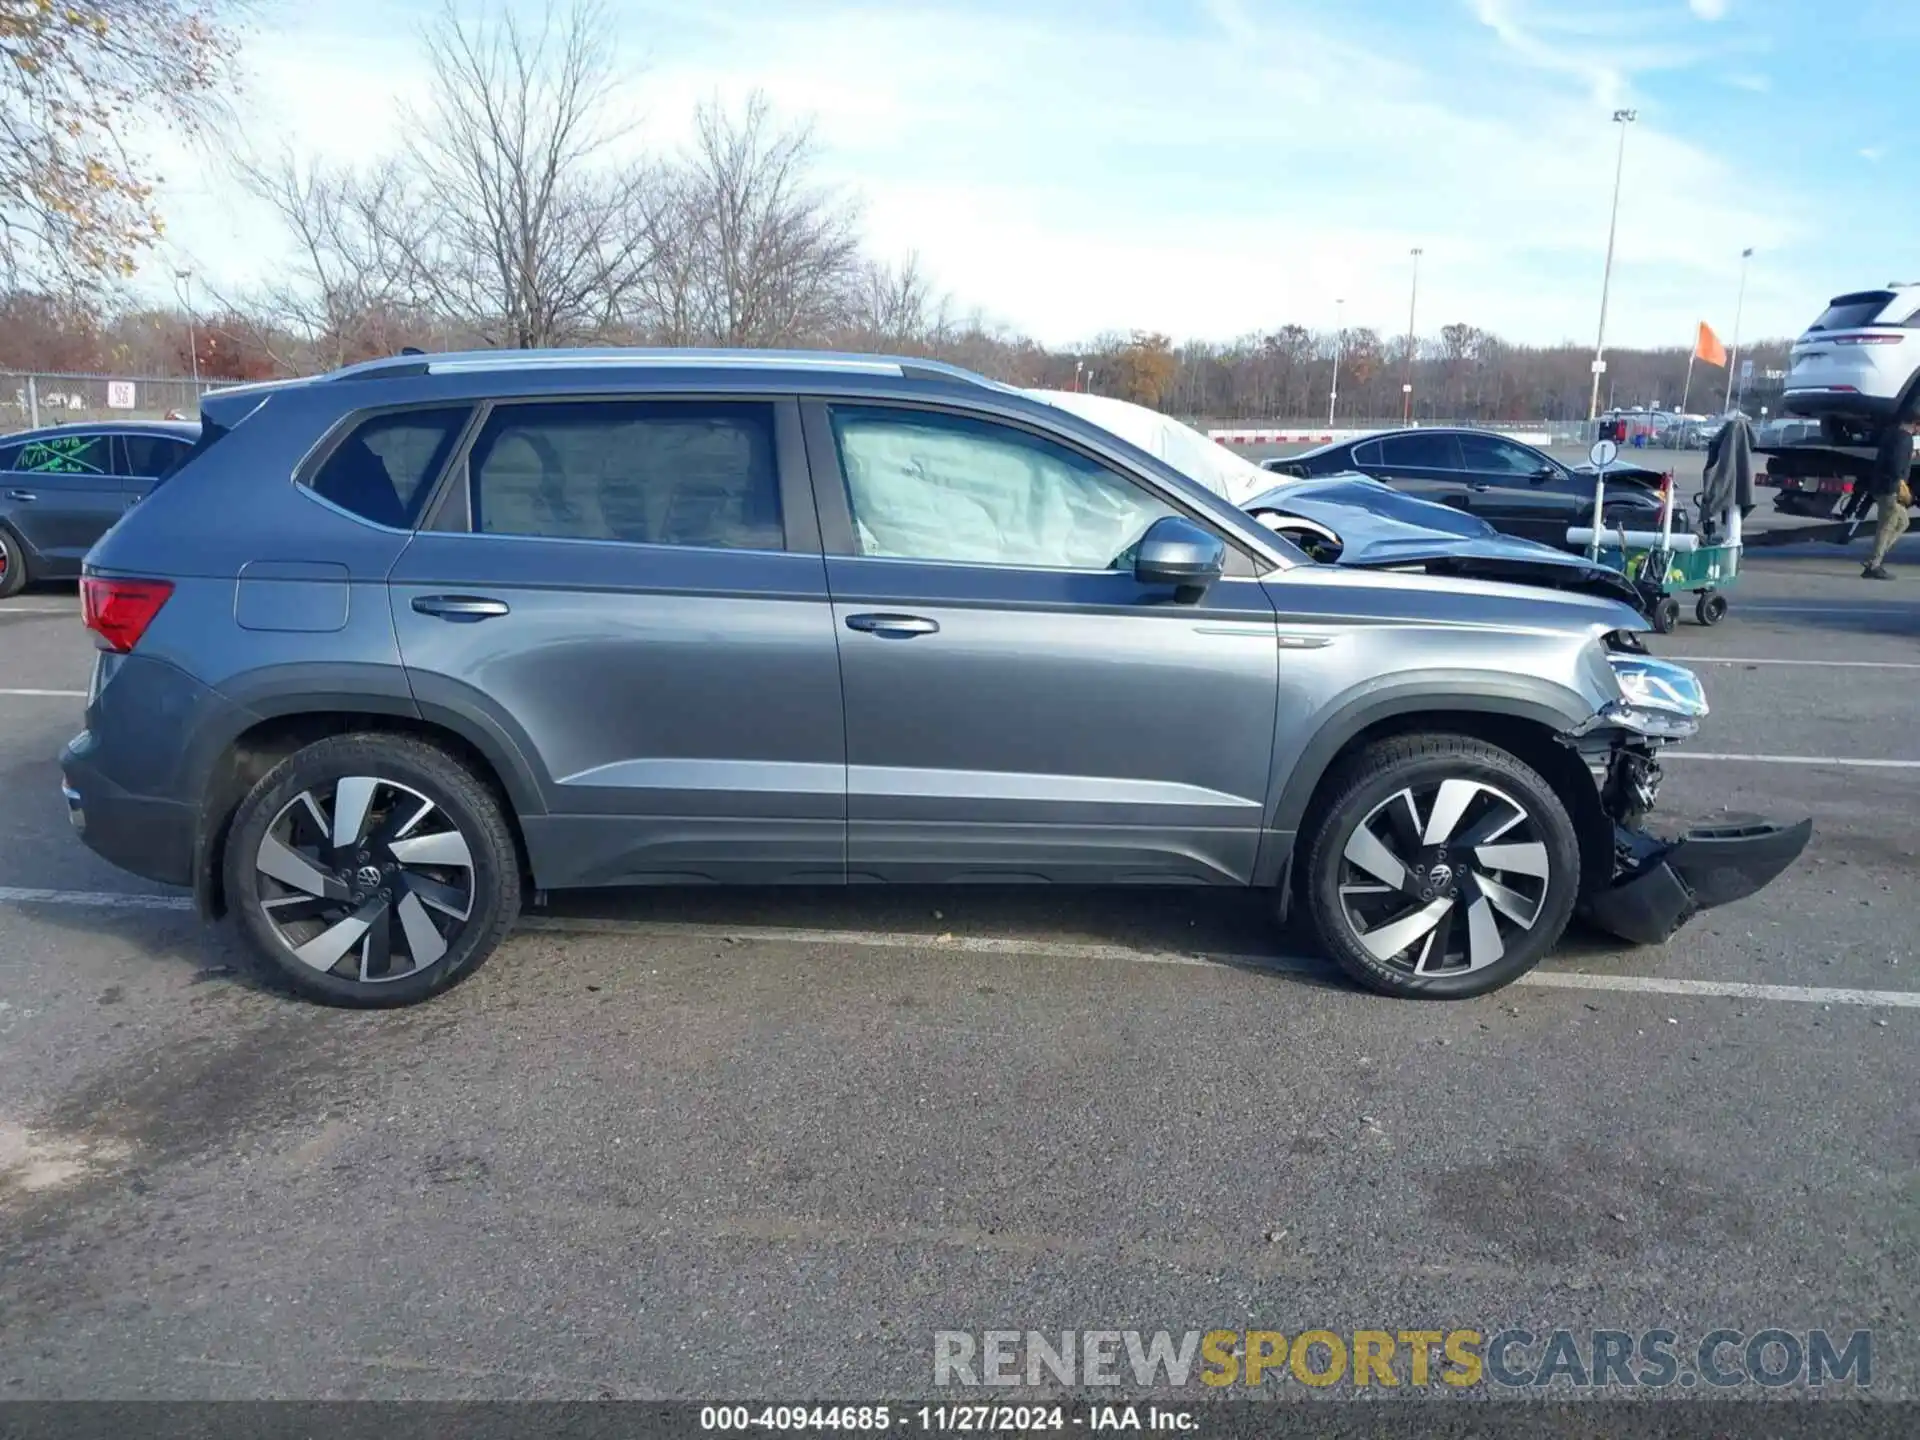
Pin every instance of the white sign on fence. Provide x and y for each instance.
(120, 395)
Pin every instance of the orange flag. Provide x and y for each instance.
(1708, 347)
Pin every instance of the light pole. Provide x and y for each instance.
(1413, 301)
(193, 340)
(1339, 346)
(1622, 118)
(1733, 362)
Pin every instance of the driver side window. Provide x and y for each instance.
(929, 486)
(1500, 460)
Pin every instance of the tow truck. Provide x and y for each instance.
(1818, 480)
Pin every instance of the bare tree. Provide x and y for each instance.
(345, 291)
(897, 308)
(751, 251)
(514, 217)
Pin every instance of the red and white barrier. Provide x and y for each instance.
(1329, 437)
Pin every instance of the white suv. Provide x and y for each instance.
(1860, 361)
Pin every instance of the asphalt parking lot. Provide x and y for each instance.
(721, 1144)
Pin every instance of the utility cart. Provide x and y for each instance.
(1663, 565)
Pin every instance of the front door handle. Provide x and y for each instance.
(21, 495)
(462, 609)
(893, 627)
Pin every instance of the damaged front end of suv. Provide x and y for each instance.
(1657, 884)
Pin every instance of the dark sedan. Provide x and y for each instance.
(61, 488)
(1513, 487)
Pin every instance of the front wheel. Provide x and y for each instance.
(1666, 615)
(372, 870)
(1444, 867)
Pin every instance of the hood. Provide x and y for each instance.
(1381, 528)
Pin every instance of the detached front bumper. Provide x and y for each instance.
(1659, 885)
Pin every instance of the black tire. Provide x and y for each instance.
(1666, 615)
(1372, 781)
(1710, 608)
(405, 770)
(13, 564)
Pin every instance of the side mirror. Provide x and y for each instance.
(1544, 474)
(1177, 552)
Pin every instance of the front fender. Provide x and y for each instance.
(1319, 738)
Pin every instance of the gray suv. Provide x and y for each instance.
(471, 626)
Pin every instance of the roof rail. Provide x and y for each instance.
(461, 362)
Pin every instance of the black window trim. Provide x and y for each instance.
(836, 512)
(449, 510)
(310, 465)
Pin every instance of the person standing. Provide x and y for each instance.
(1888, 486)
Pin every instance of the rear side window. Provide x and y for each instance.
(385, 469)
(1850, 312)
(1424, 452)
(642, 472)
(9, 456)
(67, 455)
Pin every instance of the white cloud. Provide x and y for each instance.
(1708, 9)
(1752, 81)
(1873, 154)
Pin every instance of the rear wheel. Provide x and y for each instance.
(13, 565)
(1444, 867)
(372, 870)
(1710, 608)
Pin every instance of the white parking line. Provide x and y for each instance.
(1772, 660)
(1877, 612)
(1844, 761)
(1046, 949)
(49, 694)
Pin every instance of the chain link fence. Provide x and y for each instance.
(29, 400)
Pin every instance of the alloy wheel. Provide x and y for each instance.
(365, 878)
(1440, 878)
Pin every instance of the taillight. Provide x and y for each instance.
(119, 611)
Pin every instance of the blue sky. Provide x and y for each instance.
(1210, 167)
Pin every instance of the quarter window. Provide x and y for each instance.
(698, 473)
(383, 471)
(928, 486)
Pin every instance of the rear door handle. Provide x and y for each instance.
(21, 495)
(893, 627)
(462, 609)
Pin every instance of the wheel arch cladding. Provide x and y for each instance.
(252, 753)
(1531, 732)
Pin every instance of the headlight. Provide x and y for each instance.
(1658, 698)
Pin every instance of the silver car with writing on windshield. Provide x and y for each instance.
(478, 627)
